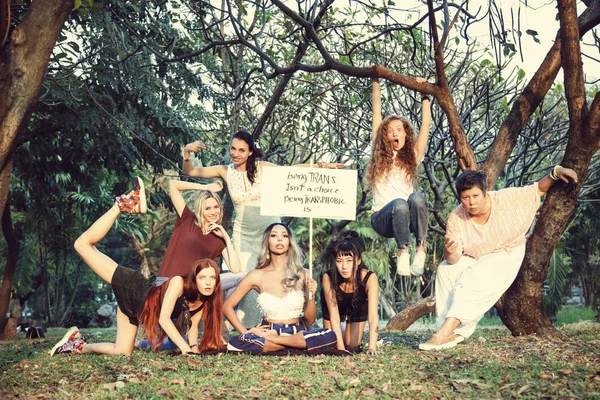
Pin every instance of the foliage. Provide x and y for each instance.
(493, 364)
(131, 82)
(572, 315)
(557, 282)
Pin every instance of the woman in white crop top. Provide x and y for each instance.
(287, 297)
(398, 210)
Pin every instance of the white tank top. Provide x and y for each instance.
(284, 308)
(396, 186)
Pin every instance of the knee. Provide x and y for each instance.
(399, 207)
(417, 200)
(124, 351)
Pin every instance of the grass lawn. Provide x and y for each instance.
(491, 364)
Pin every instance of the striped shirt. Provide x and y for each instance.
(513, 211)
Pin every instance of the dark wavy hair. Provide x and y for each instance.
(251, 164)
(212, 312)
(346, 244)
(382, 153)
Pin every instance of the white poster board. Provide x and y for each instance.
(309, 192)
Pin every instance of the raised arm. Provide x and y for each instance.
(334, 312)
(174, 290)
(248, 283)
(217, 171)
(176, 187)
(566, 175)
(421, 143)
(373, 316)
(376, 101)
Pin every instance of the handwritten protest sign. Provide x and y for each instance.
(309, 192)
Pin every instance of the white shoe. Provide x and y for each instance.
(72, 333)
(418, 265)
(440, 344)
(231, 347)
(403, 264)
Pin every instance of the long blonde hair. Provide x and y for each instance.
(382, 154)
(294, 273)
(199, 202)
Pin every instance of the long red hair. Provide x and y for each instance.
(382, 154)
(212, 312)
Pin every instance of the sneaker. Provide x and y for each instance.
(439, 344)
(403, 264)
(134, 201)
(72, 346)
(418, 265)
(72, 333)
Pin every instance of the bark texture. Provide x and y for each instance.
(23, 64)
(404, 319)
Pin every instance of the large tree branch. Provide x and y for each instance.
(530, 99)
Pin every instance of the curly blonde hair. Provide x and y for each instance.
(382, 154)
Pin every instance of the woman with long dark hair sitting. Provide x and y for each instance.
(350, 294)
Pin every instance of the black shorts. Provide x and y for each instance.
(131, 289)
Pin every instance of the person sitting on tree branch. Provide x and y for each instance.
(484, 247)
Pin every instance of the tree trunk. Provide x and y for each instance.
(23, 64)
(521, 309)
(11, 265)
(404, 319)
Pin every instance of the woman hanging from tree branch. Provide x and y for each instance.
(392, 174)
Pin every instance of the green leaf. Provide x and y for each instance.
(76, 5)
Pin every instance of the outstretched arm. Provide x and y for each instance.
(334, 312)
(373, 316)
(174, 290)
(376, 101)
(425, 127)
(217, 171)
(566, 175)
(314, 165)
(176, 187)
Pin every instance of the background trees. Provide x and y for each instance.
(130, 83)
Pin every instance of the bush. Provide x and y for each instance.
(571, 315)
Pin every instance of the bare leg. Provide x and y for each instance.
(354, 334)
(124, 343)
(447, 329)
(85, 245)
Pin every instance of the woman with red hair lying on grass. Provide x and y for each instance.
(190, 299)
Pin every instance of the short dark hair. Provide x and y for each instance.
(470, 179)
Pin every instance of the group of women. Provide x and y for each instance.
(273, 303)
